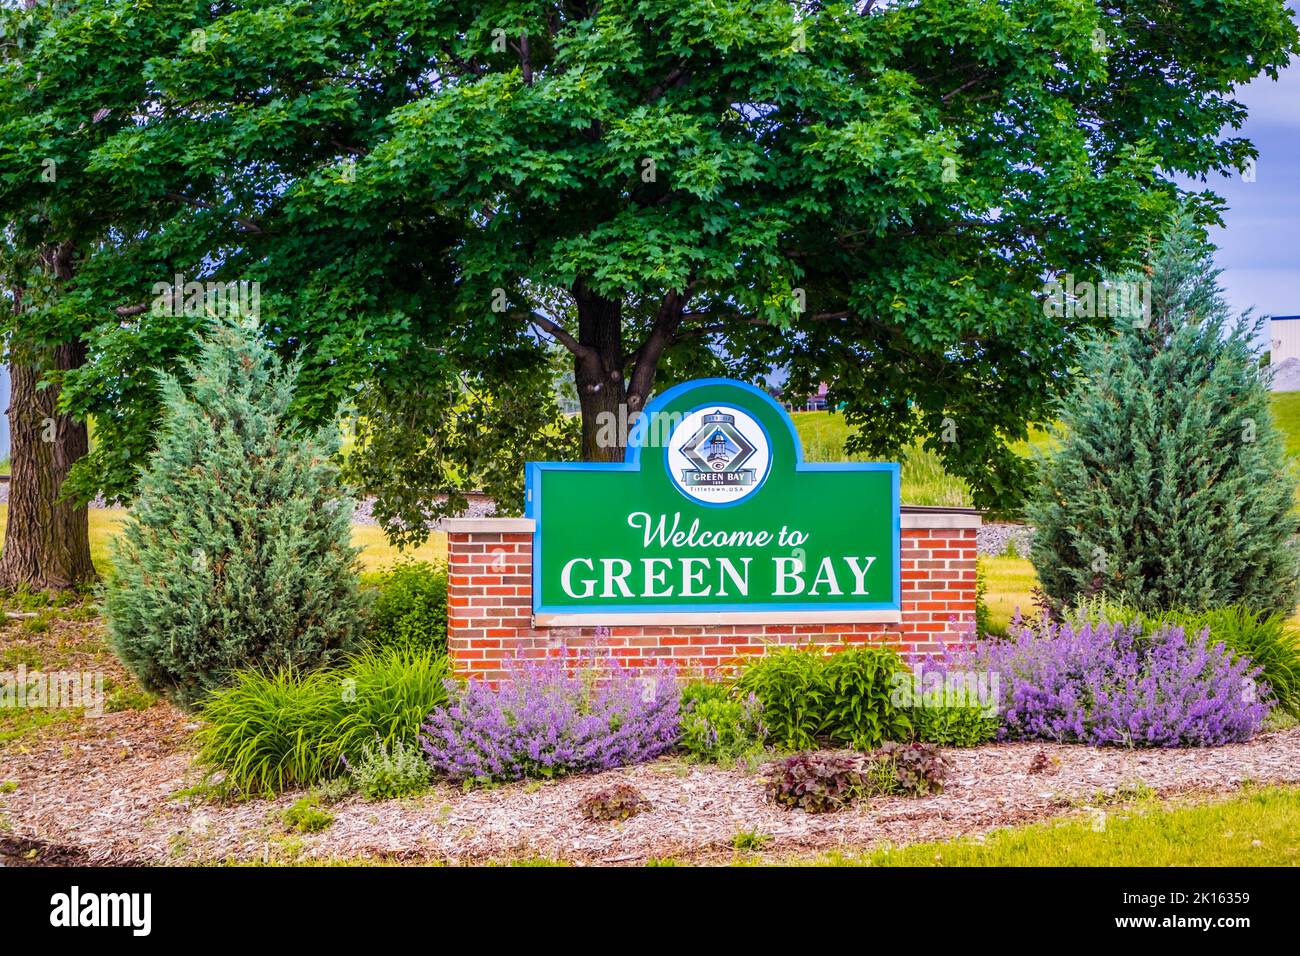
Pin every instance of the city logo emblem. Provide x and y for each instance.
(718, 455)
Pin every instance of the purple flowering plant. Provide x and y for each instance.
(1110, 684)
(548, 718)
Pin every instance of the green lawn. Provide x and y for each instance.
(1257, 827)
(1010, 587)
(924, 480)
(1286, 412)
(376, 552)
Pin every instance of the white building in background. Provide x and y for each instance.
(1284, 338)
(1284, 352)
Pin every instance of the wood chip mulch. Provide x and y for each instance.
(110, 790)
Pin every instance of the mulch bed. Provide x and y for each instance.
(109, 790)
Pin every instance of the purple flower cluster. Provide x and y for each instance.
(1111, 684)
(546, 721)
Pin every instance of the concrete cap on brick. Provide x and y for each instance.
(939, 519)
(487, 525)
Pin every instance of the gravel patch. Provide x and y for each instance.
(478, 506)
(1285, 376)
(110, 789)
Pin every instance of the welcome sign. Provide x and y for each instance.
(713, 510)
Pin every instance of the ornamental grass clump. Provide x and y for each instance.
(1111, 684)
(273, 730)
(544, 721)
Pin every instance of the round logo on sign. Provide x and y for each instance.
(718, 455)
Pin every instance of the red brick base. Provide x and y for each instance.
(490, 620)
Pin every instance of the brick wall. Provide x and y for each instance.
(490, 619)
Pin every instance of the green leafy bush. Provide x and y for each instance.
(965, 726)
(790, 684)
(859, 709)
(698, 691)
(273, 731)
(237, 551)
(410, 608)
(1171, 486)
(1266, 640)
(718, 728)
(844, 697)
(384, 773)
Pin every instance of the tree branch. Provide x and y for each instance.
(248, 225)
(677, 76)
(965, 86)
(559, 332)
(645, 360)
(525, 58)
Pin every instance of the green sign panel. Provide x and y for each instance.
(713, 510)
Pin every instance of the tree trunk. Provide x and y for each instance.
(598, 374)
(47, 541)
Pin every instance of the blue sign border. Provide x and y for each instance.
(632, 462)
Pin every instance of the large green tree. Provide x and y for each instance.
(432, 195)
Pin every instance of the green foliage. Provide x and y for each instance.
(1171, 487)
(410, 608)
(384, 773)
(859, 710)
(859, 168)
(421, 445)
(237, 553)
(751, 841)
(966, 726)
(618, 801)
(702, 691)
(332, 791)
(790, 684)
(718, 728)
(305, 816)
(843, 697)
(273, 731)
(1266, 640)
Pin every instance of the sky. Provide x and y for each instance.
(1259, 248)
